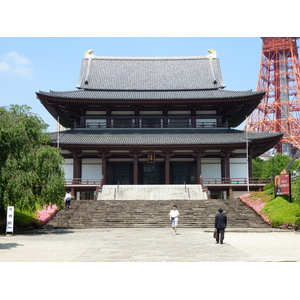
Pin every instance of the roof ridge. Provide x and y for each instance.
(148, 57)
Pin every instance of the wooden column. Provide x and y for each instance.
(250, 165)
(223, 172)
(104, 160)
(198, 165)
(227, 166)
(167, 168)
(135, 169)
(76, 166)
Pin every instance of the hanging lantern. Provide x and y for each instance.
(151, 157)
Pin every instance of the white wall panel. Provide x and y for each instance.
(238, 168)
(68, 168)
(211, 168)
(91, 168)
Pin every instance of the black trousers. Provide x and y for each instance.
(220, 235)
(68, 202)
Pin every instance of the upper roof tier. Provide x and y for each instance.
(192, 83)
(150, 73)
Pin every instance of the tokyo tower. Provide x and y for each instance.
(279, 77)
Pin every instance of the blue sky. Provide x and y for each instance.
(30, 64)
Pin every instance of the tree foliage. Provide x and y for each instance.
(257, 164)
(273, 166)
(30, 170)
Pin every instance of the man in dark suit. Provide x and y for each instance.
(220, 225)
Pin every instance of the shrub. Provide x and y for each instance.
(297, 224)
(269, 191)
(281, 212)
(25, 219)
(269, 186)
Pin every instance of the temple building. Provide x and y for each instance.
(156, 120)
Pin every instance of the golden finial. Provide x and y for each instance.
(213, 53)
(87, 53)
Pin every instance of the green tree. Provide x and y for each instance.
(296, 191)
(276, 164)
(30, 169)
(257, 167)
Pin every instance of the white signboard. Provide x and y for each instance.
(10, 219)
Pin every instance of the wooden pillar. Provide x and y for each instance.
(167, 168)
(250, 165)
(198, 164)
(227, 166)
(73, 191)
(223, 172)
(135, 169)
(76, 166)
(104, 160)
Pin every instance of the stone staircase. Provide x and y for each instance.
(152, 192)
(147, 214)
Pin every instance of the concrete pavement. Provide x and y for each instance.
(150, 245)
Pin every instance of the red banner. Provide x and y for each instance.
(282, 184)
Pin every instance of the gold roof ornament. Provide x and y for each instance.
(87, 53)
(213, 53)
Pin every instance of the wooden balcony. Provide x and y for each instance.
(94, 125)
(235, 181)
(80, 182)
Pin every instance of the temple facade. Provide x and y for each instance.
(155, 120)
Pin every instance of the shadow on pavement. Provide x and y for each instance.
(55, 231)
(7, 246)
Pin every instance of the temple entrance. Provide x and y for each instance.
(119, 173)
(183, 173)
(151, 173)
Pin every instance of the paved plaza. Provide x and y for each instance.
(150, 245)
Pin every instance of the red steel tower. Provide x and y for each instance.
(279, 77)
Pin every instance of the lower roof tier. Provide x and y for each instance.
(70, 105)
(258, 142)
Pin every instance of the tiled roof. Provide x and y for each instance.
(130, 95)
(150, 73)
(153, 136)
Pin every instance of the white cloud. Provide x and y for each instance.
(16, 64)
(4, 66)
(17, 59)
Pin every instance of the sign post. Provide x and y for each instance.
(282, 184)
(10, 219)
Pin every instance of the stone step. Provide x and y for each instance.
(143, 213)
(152, 192)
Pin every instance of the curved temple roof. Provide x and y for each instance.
(150, 73)
(166, 137)
(195, 81)
(131, 95)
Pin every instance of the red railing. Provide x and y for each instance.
(84, 181)
(243, 181)
(204, 181)
(159, 125)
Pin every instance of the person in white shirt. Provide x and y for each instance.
(68, 198)
(174, 217)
